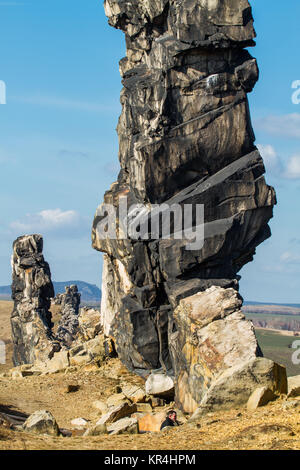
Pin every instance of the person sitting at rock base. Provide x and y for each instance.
(171, 420)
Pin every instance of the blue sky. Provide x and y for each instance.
(58, 145)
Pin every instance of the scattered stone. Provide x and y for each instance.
(260, 397)
(118, 412)
(151, 422)
(115, 400)
(134, 393)
(59, 363)
(79, 423)
(160, 385)
(291, 404)
(156, 402)
(93, 367)
(88, 352)
(71, 370)
(123, 426)
(96, 430)
(89, 323)
(144, 408)
(16, 374)
(294, 386)
(100, 406)
(41, 422)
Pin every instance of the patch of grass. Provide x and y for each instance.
(277, 347)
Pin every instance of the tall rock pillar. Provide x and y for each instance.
(185, 138)
(32, 291)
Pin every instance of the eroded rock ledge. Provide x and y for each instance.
(185, 137)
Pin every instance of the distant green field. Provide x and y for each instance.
(276, 347)
(268, 316)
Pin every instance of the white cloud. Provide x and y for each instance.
(286, 125)
(271, 158)
(289, 258)
(46, 221)
(274, 164)
(293, 167)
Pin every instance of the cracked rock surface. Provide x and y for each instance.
(32, 290)
(185, 138)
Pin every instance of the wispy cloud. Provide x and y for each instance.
(289, 258)
(52, 221)
(286, 125)
(63, 103)
(271, 158)
(275, 165)
(293, 168)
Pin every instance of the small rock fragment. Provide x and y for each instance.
(41, 422)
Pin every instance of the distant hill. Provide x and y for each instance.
(90, 293)
(271, 303)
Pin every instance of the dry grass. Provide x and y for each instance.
(6, 308)
(268, 428)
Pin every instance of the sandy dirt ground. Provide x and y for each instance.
(270, 427)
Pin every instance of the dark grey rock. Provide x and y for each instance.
(68, 325)
(32, 291)
(185, 137)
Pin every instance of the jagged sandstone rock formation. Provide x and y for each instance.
(78, 340)
(185, 138)
(69, 324)
(32, 291)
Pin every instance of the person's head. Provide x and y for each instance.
(172, 415)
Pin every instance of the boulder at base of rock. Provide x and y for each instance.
(234, 387)
(290, 404)
(144, 408)
(118, 412)
(41, 422)
(79, 423)
(116, 400)
(151, 422)
(160, 385)
(294, 386)
(59, 362)
(101, 406)
(134, 393)
(124, 426)
(96, 430)
(89, 323)
(85, 353)
(260, 397)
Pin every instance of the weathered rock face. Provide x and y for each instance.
(185, 138)
(68, 324)
(90, 323)
(32, 290)
(41, 422)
